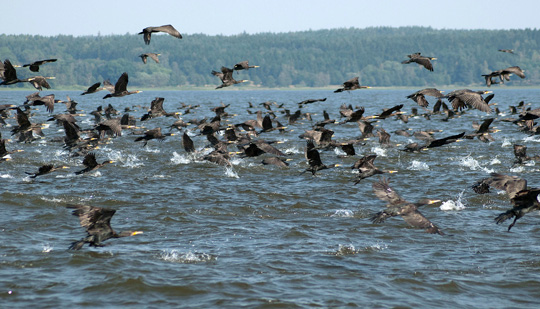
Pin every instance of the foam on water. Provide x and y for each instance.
(517, 169)
(188, 257)
(418, 166)
(229, 172)
(181, 159)
(47, 248)
(6, 176)
(456, 204)
(379, 151)
(343, 213)
(470, 162)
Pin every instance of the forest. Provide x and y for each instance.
(296, 59)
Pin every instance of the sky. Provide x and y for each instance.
(230, 17)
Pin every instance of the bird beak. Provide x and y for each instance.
(65, 166)
(433, 201)
(391, 172)
(136, 233)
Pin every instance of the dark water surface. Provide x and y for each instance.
(262, 236)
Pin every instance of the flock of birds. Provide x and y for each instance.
(246, 137)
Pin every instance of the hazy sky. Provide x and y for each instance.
(234, 16)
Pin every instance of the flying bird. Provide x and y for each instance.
(147, 32)
(145, 56)
(421, 60)
(97, 222)
(120, 88)
(351, 84)
(34, 66)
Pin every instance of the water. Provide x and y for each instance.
(262, 236)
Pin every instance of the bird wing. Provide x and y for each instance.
(475, 100)
(384, 192)
(121, 84)
(413, 217)
(423, 61)
(511, 184)
(90, 160)
(187, 142)
(514, 70)
(108, 86)
(153, 56)
(167, 29)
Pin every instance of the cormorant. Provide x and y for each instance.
(46, 169)
(226, 78)
(465, 97)
(10, 74)
(147, 32)
(314, 159)
(40, 82)
(91, 164)
(244, 65)
(351, 84)
(120, 88)
(151, 55)
(153, 134)
(419, 96)
(524, 200)
(97, 222)
(421, 60)
(34, 66)
(397, 206)
(93, 88)
(366, 168)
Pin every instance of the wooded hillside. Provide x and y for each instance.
(306, 59)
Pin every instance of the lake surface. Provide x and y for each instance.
(261, 236)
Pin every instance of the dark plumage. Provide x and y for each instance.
(397, 206)
(468, 98)
(419, 96)
(120, 88)
(153, 134)
(244, 65)
(91, 164)
(366, 168)
(97, 222)
(145, 56)
(34, 66)
(93, 88)
(227, 78)
(314, 159)
(40, 82)
(46, 169)
(10, 74)
(351, 84)
(147, 32)
(421, 60)
(524, 200)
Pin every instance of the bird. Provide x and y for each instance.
(97, 222)
(366, 168)
(419, 96)
(524, 200)
(151, 55)
(510, 51)
(120, 88)
(92, 89)
(397, 206)
(40, 82)
(156, 110)
(34, 66)
(466, 97)
(351, 84)
(277, 161)
(314, 159)
(91, 164)
(244, 65)
(421, 60)
(46, 169)
(147, 32)
(153, 134)
(431, 143)
(226, 78)
(10, 74)
(503, 75)
(520, 152)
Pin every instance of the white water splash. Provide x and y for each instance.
(517, 169)
(470, 162)
(495, 161)
(46, 248)
(453, 204)
(418, 166)
(292, 150)
(6, 176)
(188, 257)
(229, 172)
(381, 152)
(129, 160)
(180, 159)
(506, 143)
(532, 138)
(346, 213)
(339, 152)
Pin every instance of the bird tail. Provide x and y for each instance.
(76, 245)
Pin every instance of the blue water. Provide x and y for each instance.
(261, 236)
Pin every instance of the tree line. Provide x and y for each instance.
(298, 59)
